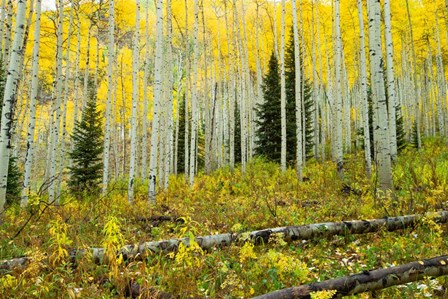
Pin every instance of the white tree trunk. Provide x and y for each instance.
(2, 26)
(390, 77)
(9, 99)
(56, 111)
(32, 112)
(158, 69)
(337, 107)
(194, 100)
(298, 93)
(110, 95)
(381, 132)
(135, 93)
(364, 97)
(441, 85)
(283, 90)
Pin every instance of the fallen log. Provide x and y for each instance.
(368, 280)
(287, 233)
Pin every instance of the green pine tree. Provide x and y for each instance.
(181, 137)
(308, 105)
(237, 140)
(86, 172)
(268, 143)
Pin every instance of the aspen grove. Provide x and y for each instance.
(223, 148)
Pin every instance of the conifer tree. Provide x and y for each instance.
(268, 122)
(87, 166)
(181, 137)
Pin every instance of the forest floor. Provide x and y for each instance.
(227, 201)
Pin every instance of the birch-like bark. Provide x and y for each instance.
(194, 104)
(144, 160)
(187, 88)
(135, 87)
(67, 79)
(337, 107)
(32, 112)
(364, 97)
(2, 26)
(390, 77)
(110, 95)
(170, 98)
(158, 69)
(56, 111)
(8, 33)
(297, 93)
(9, 99)
(380, 131)
(283, 91)
(441, 85)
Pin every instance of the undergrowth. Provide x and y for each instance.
(228, 201)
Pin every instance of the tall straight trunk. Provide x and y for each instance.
(194, 100)
(110, 94)
(32, 110)
(158, 69)
(390, 77)
(64, 101)
(380, 131)
(144, 146)
(337, 107)
(9, 98)
(283, 91)
(297, 93)
(8, 33)
(441, 85)
(364, 97)
(415, 77)
(77, 79)
(56, 113)
(86, 70)
(2, 26)
(135, 88)
(169, 108)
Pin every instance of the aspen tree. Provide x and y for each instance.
(110, 64)
(194, 100)
(441, 84)
(135, 87)
(187, 88)
(416, 95)
(64, 104)
(283, 89)
(76, 83)
(298, 93)
(9, 98)
(337, 107)
(231, 98)
(390, 77)
(157, 97)
(32, 110)
(2, 26)
(8, 32)
(56, 110)
(381, 132)
(144, 160)
(364, 101)
(169, 107)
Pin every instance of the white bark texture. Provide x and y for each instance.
(135, 88)
(32, 112)
(158, 69)
(283, 90)
(9, 98)
(364, 97)
(298, 93)
(380, 130)
(337, 107)
(110, 95)
(390, 77)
